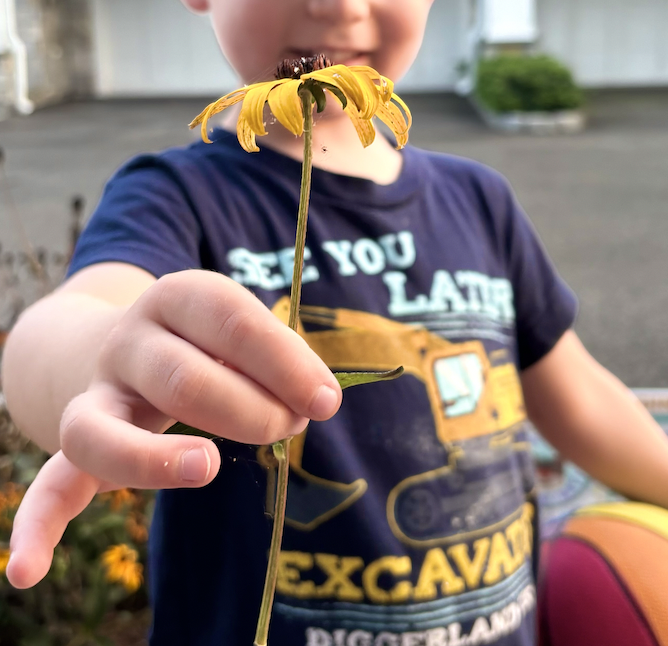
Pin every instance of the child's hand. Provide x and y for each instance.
(195, 347)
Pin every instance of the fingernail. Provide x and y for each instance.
(195, 465)
(325, 402)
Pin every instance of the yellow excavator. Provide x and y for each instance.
(472, 395)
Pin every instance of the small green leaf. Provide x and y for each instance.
(318, 95)
(337, 93)
(183, 429)
(348, 379)
(279, 450)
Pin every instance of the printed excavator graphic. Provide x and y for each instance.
(477, 406)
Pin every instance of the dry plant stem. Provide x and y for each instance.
(35, 264)
(282, 448)
(304, 196)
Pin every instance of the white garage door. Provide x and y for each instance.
(157, 48)
(608, 42)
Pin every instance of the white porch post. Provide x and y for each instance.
(509, 22)
(11, 41)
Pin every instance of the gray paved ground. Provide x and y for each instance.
(598, 200)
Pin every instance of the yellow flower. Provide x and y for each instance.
(120, 561)
(4, 559)
(363, 93)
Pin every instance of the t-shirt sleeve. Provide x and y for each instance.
(545, 306)
(144, 218)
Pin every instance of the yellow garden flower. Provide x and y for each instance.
(120, 561)
(4, 559)
(363, 93)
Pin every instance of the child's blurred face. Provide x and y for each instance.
(255, 35)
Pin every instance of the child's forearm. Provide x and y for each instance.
(622, 446)
(50, 357)
(596, 422)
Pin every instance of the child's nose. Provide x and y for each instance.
(343, 10)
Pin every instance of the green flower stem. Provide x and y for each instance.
(302, 216)
(282, 449)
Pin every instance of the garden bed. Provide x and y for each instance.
(530, 94)
(567, 122)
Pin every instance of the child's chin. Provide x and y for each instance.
(357, 60)
(332, 110)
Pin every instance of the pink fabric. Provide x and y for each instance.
(583, 603)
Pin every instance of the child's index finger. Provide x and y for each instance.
(60, 492)
(226, 321)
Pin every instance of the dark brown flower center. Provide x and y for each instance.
(294, 68)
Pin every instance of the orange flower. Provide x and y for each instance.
(119, 498)
(136, 527)
(120, 561)
(4, 559)
(11, 495)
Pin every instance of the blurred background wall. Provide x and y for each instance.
(55, 38)
(149, 47)
(141, 48)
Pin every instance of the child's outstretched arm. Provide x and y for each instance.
(596, 422)
(107, 362)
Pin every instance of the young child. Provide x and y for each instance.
(411, 514)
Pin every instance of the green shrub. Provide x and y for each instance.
(526, 84)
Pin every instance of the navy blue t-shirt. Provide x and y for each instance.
(411, 514)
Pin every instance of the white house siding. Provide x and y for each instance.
(149, 48)
(435, 68)
(157, 48)
(608, 43)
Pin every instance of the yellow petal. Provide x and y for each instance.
(112, 555)
(219, 105)
(132, 577)
(341, 77)
(392, 116)
(286, 106)
(371, 93)
(409, 117)
(365, 130)
(114, 572)
(246, 136)
(252, 109)
(385, 86)
(216, 107)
